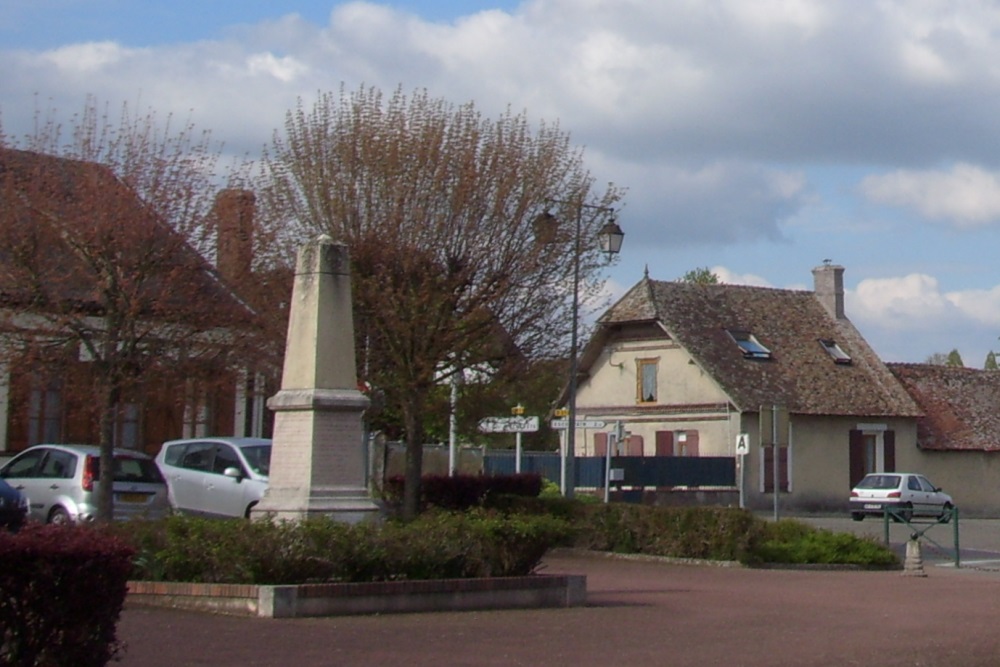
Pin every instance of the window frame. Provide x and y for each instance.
(749, 345)
(644, 365)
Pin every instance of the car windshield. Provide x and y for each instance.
(128, 469)
(258, 458)
(879, 482)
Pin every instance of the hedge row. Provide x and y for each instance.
(438, 545)
(462, 492)
(62, 589)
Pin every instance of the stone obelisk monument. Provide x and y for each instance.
(317, 459)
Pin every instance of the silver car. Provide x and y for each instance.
(908, 493)
(60, 483)
(217, 477)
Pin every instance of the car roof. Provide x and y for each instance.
(92, 450)
(230, 440)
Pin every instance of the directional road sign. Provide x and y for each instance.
(509, 425)
(580, 423)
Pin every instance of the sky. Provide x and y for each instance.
(756, 139)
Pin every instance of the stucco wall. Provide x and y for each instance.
(972, 478)
(820, 460)
(687, 398)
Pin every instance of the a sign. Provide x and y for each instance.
(580, 423)
(509, 425)
(742, 444)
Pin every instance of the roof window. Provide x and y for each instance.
(835, 351)
(751, 347)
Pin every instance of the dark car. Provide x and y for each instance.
(13, 507)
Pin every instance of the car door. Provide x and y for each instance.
(186, 475)
(917, 495)
(21, 472)
(223, 495)
(933, 501)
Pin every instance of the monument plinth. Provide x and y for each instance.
(317, 456)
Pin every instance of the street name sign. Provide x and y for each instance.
(509, 425)
(580, 423)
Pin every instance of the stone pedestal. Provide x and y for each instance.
(317, 459)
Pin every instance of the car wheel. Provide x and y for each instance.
(946, 513)
(906, 511)
(246, 515)
(59, 517)
(858, 516)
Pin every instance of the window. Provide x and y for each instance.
(752, 348)
(835, 351)
(45, 414)
(646, 377)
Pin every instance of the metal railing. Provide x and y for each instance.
(905, 515)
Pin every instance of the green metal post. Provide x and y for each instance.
(958, 558)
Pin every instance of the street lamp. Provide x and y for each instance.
(610, 238)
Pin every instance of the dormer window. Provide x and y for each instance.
(751, 347)
(835, 351)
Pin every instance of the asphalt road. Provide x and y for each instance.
(638, 612)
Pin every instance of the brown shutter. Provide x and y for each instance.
(600, 444)
(692, 443)
(856, 466)
(889, 440)
(664, 443)
(769, 469)
(634, 446)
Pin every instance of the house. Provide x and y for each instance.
(86, 264)
(687, 368)
(958, 433)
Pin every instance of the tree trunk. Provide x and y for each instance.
(105, 488)
(414, 458)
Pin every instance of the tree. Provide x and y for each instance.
(937, 359)
(954, 359)
(100, 261)
(436, 204)
(991, 362)
(701, 276)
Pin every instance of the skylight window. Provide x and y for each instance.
(835, 351)
(752, 348)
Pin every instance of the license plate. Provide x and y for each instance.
(132, 497)
(872, 506)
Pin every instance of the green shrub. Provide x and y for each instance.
(714, 533)
(794, 542)
(437, 545)
(62, 589)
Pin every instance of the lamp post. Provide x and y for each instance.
(610, 238)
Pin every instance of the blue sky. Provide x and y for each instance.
(755, 138)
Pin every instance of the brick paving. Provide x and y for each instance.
(638, 612)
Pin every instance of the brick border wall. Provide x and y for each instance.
(534, 591)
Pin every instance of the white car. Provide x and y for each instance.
(60, 483)
(912, 494)
(216, 477)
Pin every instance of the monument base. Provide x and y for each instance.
(349, 505)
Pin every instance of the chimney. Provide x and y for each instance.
(233, 213)
(829, 288)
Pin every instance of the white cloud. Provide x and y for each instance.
(286, 69)
(908, 318)
(966, 196)
(77, 59)
(730, 278)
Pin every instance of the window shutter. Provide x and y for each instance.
(634, 446)
(889, 442)
(692, 443)
(856, 465)
(664, 443)
(600, 444)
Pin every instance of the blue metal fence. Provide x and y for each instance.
(663, 471)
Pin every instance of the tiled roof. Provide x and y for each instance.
(961, 406)
(51, 203)
(800, 375)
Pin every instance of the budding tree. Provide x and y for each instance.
(101, 228)
(437, 205)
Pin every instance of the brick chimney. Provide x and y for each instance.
(829, 288)
(233, 213)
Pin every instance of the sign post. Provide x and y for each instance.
(562, 424)
(742, 449)
(517, 424)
